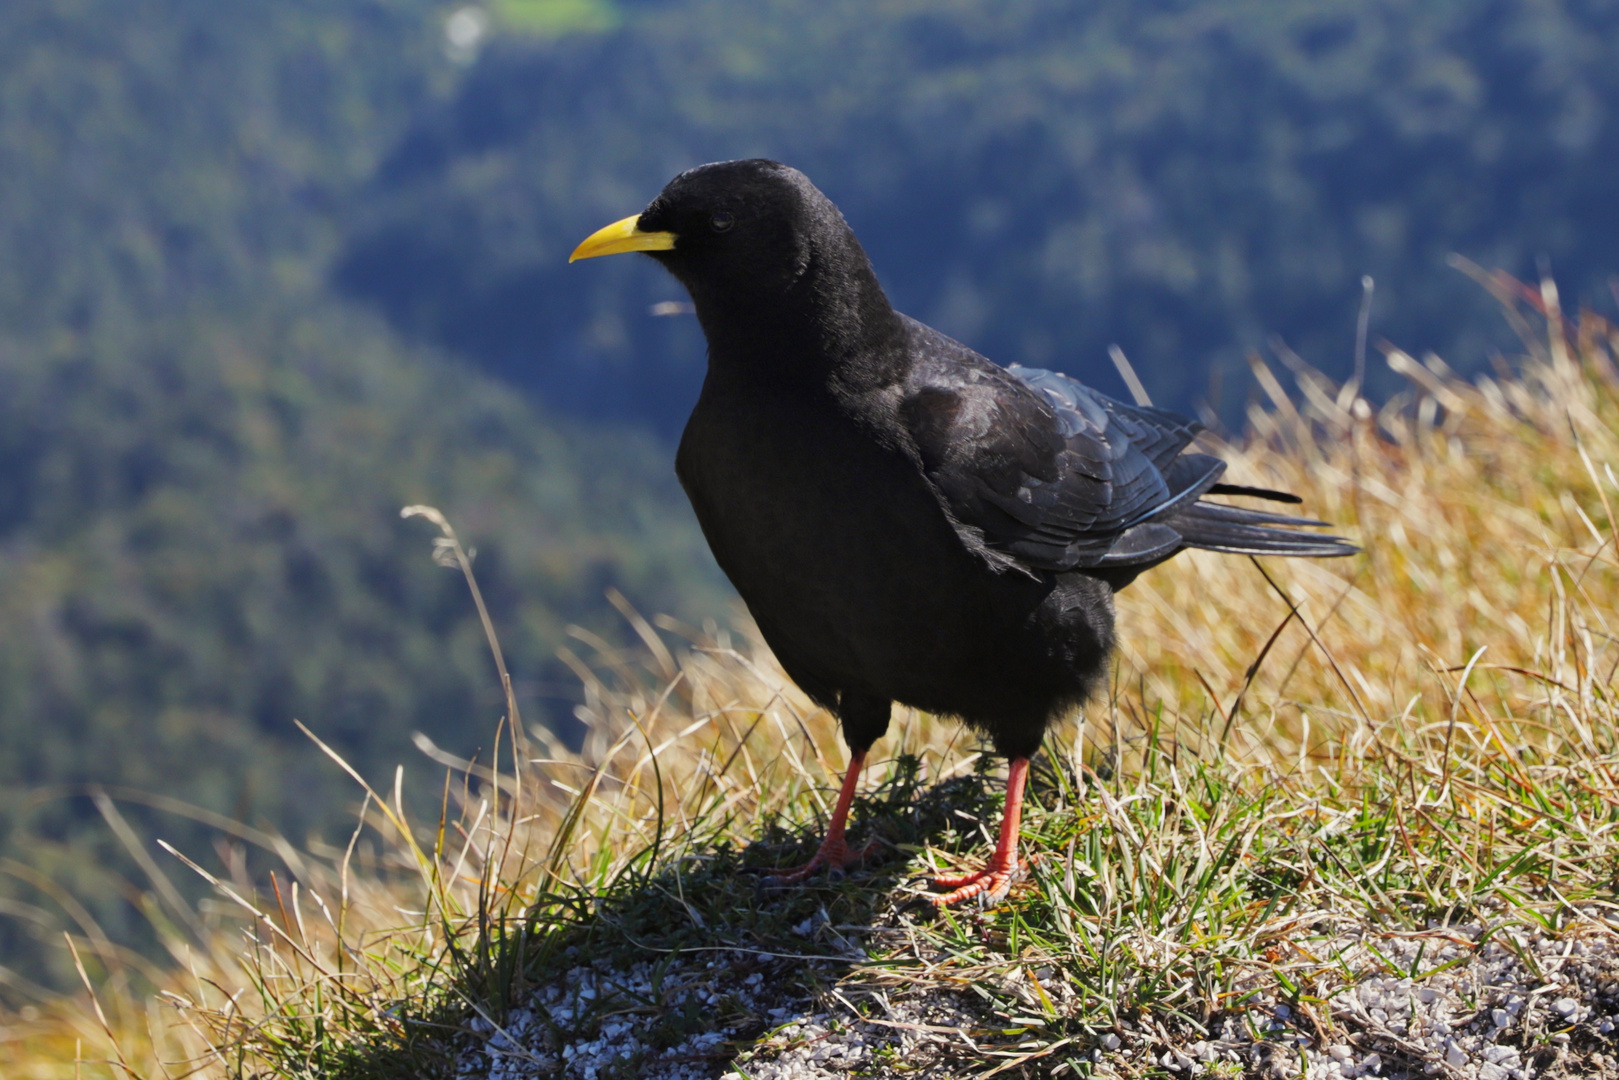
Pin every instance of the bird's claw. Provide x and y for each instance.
(835, 857)
(990, 885)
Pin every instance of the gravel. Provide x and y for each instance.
(1512, 1008)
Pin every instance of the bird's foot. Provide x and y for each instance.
(990, 885)
(834, 856)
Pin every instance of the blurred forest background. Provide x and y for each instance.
(271, 271)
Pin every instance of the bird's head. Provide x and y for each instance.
(743, 237)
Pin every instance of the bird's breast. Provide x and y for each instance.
(787, 484)
(826, 527)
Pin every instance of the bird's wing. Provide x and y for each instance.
(1060, 477)
(1051, 472)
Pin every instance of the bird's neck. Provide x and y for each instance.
(833, 328)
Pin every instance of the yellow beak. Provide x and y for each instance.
(622, 236)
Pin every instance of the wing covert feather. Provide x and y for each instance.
(1060, 477)
(1048, 470)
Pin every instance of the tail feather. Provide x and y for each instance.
(1239, 515)
(1231, 529)
(1255, 492)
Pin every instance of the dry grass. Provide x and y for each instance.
(1485, 511)
(1427, 729)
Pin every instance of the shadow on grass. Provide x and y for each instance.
(705, 905)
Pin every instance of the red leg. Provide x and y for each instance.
(1004, 869)
(834, 852)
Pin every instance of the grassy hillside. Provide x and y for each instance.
(212, 549)
(1304, 778)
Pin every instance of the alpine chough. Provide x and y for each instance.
(906, 520)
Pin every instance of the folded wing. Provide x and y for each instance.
(1060, 477)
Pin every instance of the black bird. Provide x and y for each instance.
(906, 520)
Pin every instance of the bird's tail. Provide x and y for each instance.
(1232, 529)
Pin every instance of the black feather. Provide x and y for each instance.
(1255, 492)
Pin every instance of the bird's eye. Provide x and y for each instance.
(722, 222)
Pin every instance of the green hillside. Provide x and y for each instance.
(203, 454)
(1038, 177)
